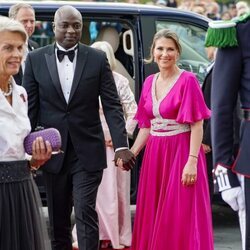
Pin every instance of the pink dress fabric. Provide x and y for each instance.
(168, 214)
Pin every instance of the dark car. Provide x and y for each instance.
(130, 29)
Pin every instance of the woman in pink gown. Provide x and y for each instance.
(173, 207)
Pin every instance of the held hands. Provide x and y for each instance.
(124, 159)
(189, 173)
(41, 152)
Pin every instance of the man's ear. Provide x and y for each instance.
(53, 26)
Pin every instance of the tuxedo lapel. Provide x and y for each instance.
(30, 47)
(51, 63)
(80, 65)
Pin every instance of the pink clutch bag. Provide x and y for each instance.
(50, 134)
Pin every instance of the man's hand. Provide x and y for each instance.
(127, 157)
(234, 197)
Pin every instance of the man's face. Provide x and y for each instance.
(26, 16)
(68, 28)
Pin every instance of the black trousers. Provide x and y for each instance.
(73, 185)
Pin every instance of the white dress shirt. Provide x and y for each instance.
(14, 124)
(25, 54)
(66, 70)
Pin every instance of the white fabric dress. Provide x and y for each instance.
(22, 225)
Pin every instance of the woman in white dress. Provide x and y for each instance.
(21, 225)
(113, 198)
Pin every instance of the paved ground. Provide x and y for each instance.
(226, 228)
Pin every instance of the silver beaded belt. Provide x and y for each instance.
(14, 171)
(167, 127)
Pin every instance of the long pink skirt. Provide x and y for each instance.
(113, 205)
(170, 216)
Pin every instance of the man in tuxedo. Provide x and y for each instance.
(64, 82)
(25, 14)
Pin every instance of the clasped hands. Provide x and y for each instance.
(124, 159)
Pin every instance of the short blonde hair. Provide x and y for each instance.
(164, 33)
(106, 47)
(11, 25)
(14, 9)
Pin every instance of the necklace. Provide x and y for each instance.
(6, 94)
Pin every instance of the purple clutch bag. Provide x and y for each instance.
(50, 134)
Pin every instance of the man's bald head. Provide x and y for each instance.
(67, 8)
(67, 26)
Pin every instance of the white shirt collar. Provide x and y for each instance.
(61, 48)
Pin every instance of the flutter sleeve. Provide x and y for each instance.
(193, 107)
(141, 114)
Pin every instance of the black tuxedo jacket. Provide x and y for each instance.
(19, 76)
(79, 118)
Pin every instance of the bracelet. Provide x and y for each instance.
(196, 157)
(33, 165)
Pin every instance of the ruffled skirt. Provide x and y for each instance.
(170, 216)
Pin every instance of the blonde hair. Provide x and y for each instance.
(11, 25)
(106, 47)
(14, 9)
(164, 33)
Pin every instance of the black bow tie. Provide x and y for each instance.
(61, 54)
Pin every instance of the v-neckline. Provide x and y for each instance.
(168, 88)
(156, 103)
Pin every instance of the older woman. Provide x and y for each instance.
(113, 197)
(173, 207)
(20, 221)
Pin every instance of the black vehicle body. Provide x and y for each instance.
(137, 26)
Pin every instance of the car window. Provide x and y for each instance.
(192, 38)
